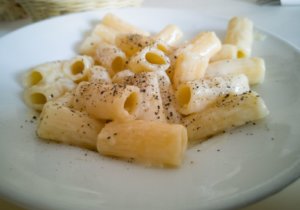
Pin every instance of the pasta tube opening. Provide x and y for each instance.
(154, 58)
(34, 78)
(130, 104)
(77, 67)
(183, 95)
(38, 98)
(118, 64)
(241, 54)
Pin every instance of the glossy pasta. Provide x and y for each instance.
(144, 97)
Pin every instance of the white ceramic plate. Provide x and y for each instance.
(229, 171)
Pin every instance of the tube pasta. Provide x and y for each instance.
(77, 69)
(194, 96)
(100, 34)
(121, 26)
(151, 107)
(240, 33)
(228, 51)
(152, 143)
(111, 57)
(43, 74)
(37, 95)
(170, 34)
(130, 44)
(107, 101)
(253, 68)
(193, 60)
(142, 97)
(228, 112)
(168, 98)
(121, 76)
(149, 59)
(63, 124)
(98, 73)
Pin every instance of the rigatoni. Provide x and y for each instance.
(149, 59)
(151, 107)
(100, 34)
(227, 51)
(152, 143)
(36, 96)
(253, 68)
(43, 74)
(170, 34)
(193, 60)
(240, 33)
(77, 68)
(63, 124)
(141, 97)
(111, 57)
(107, 101)
(130, 44)
(167, 94)
(194, 96)
(98, 73)
(121, 26)
(228, 112)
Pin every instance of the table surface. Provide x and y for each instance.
(283, 21)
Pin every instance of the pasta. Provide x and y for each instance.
(227, 51)
(43, 74)
(63, 124)
(151, 107)
(107, 101)
(194, 96)
(240, 33)
(149, 59)
(171, 35)
(193, 60)
(38, 95)
(77, 69)
(228, 111)
(145, 97)
(110, 57)
(164, 144)
(253, 68)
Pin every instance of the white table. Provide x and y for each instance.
(280, 20)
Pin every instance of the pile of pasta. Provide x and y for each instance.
(143, 97)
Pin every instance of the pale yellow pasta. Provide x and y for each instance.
(193, 60)
(77, 68)
(100, 34)
(240, 33)
(36, 96)
(121, 26)
(90, 44)
(170, 34)
(228, 112)
(63, 124)
(43, 74)
(164, 47)
(120, 76)
(228, 51)
(168, 98)
(148, 60)
(194, 96)
(143, 97)
(111, 57)
(107, 101)
(253, 68)
(149, 142)
(130, 44)
(98, 73)
(151, 107)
